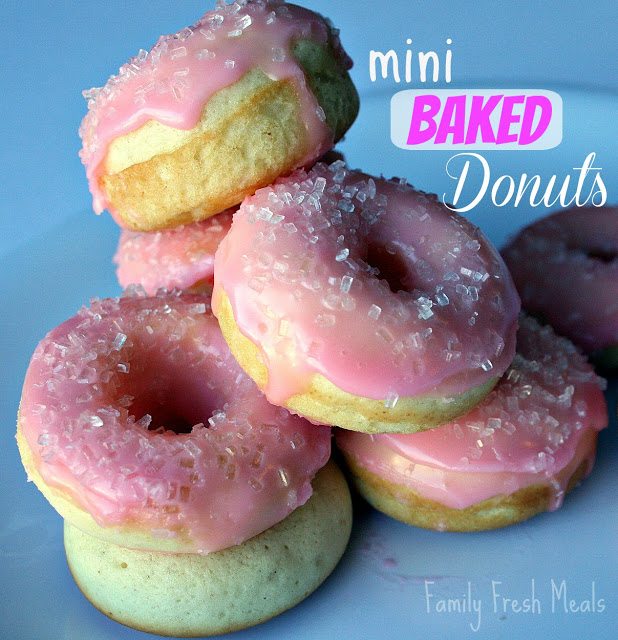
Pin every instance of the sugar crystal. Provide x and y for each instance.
(204, 54)
(244, 22)
(391, 400)
(385, 334)
(346, 284)
(283, 477)
(47, 439)
(278, 54)
(144, 422)
(179, 52)
(325, 320)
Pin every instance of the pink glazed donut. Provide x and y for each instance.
(136, 416)
(515, 455)
(179, 258)
(362, 303)
(565, 267)
(184, 492)
(252, 90)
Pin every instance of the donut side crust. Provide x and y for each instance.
(406, 505)
(324, 402)
(189, 595)
(248, 134)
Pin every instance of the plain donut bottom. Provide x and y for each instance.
(406, 505)
(326, 403)
(191, 595)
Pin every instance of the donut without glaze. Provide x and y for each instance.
(252, 90)
(140, 428)
(513, 456)
(193, 595)
(179, 258)
(363, 303)
(565, 267)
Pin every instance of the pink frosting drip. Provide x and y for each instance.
(372, 284)
(172, 82)
(538, 421)
(565, 266)
(180, 258)
(104, 391)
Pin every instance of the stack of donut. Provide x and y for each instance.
(186, 440)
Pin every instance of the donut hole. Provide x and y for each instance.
(167, 398)
(596, 250)
(165, 418)
(392, 266)
(602, 255)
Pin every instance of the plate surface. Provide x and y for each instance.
(389, 567)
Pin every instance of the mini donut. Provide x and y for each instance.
(191, 595)
(565, 267)
(362, 303)
(252, 90)
(143, 432)
(179, 258)
(515, 455)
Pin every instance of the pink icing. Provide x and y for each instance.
(565, 266)
(539, 421)
(137, 410)
(180, 258)
(300, 266)
(172, 82)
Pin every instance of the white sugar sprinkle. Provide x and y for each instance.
(278, 54)
(208, 34)
(204, 54)
(319, 185)
(442, 299)
(144, 422)
(179, 52)
(197, 308)
(283, 476)
(325, 320)
(391, 400)
(119, 341)
(374, 311)
(346, 283)
(244, 22)
(487, 365)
